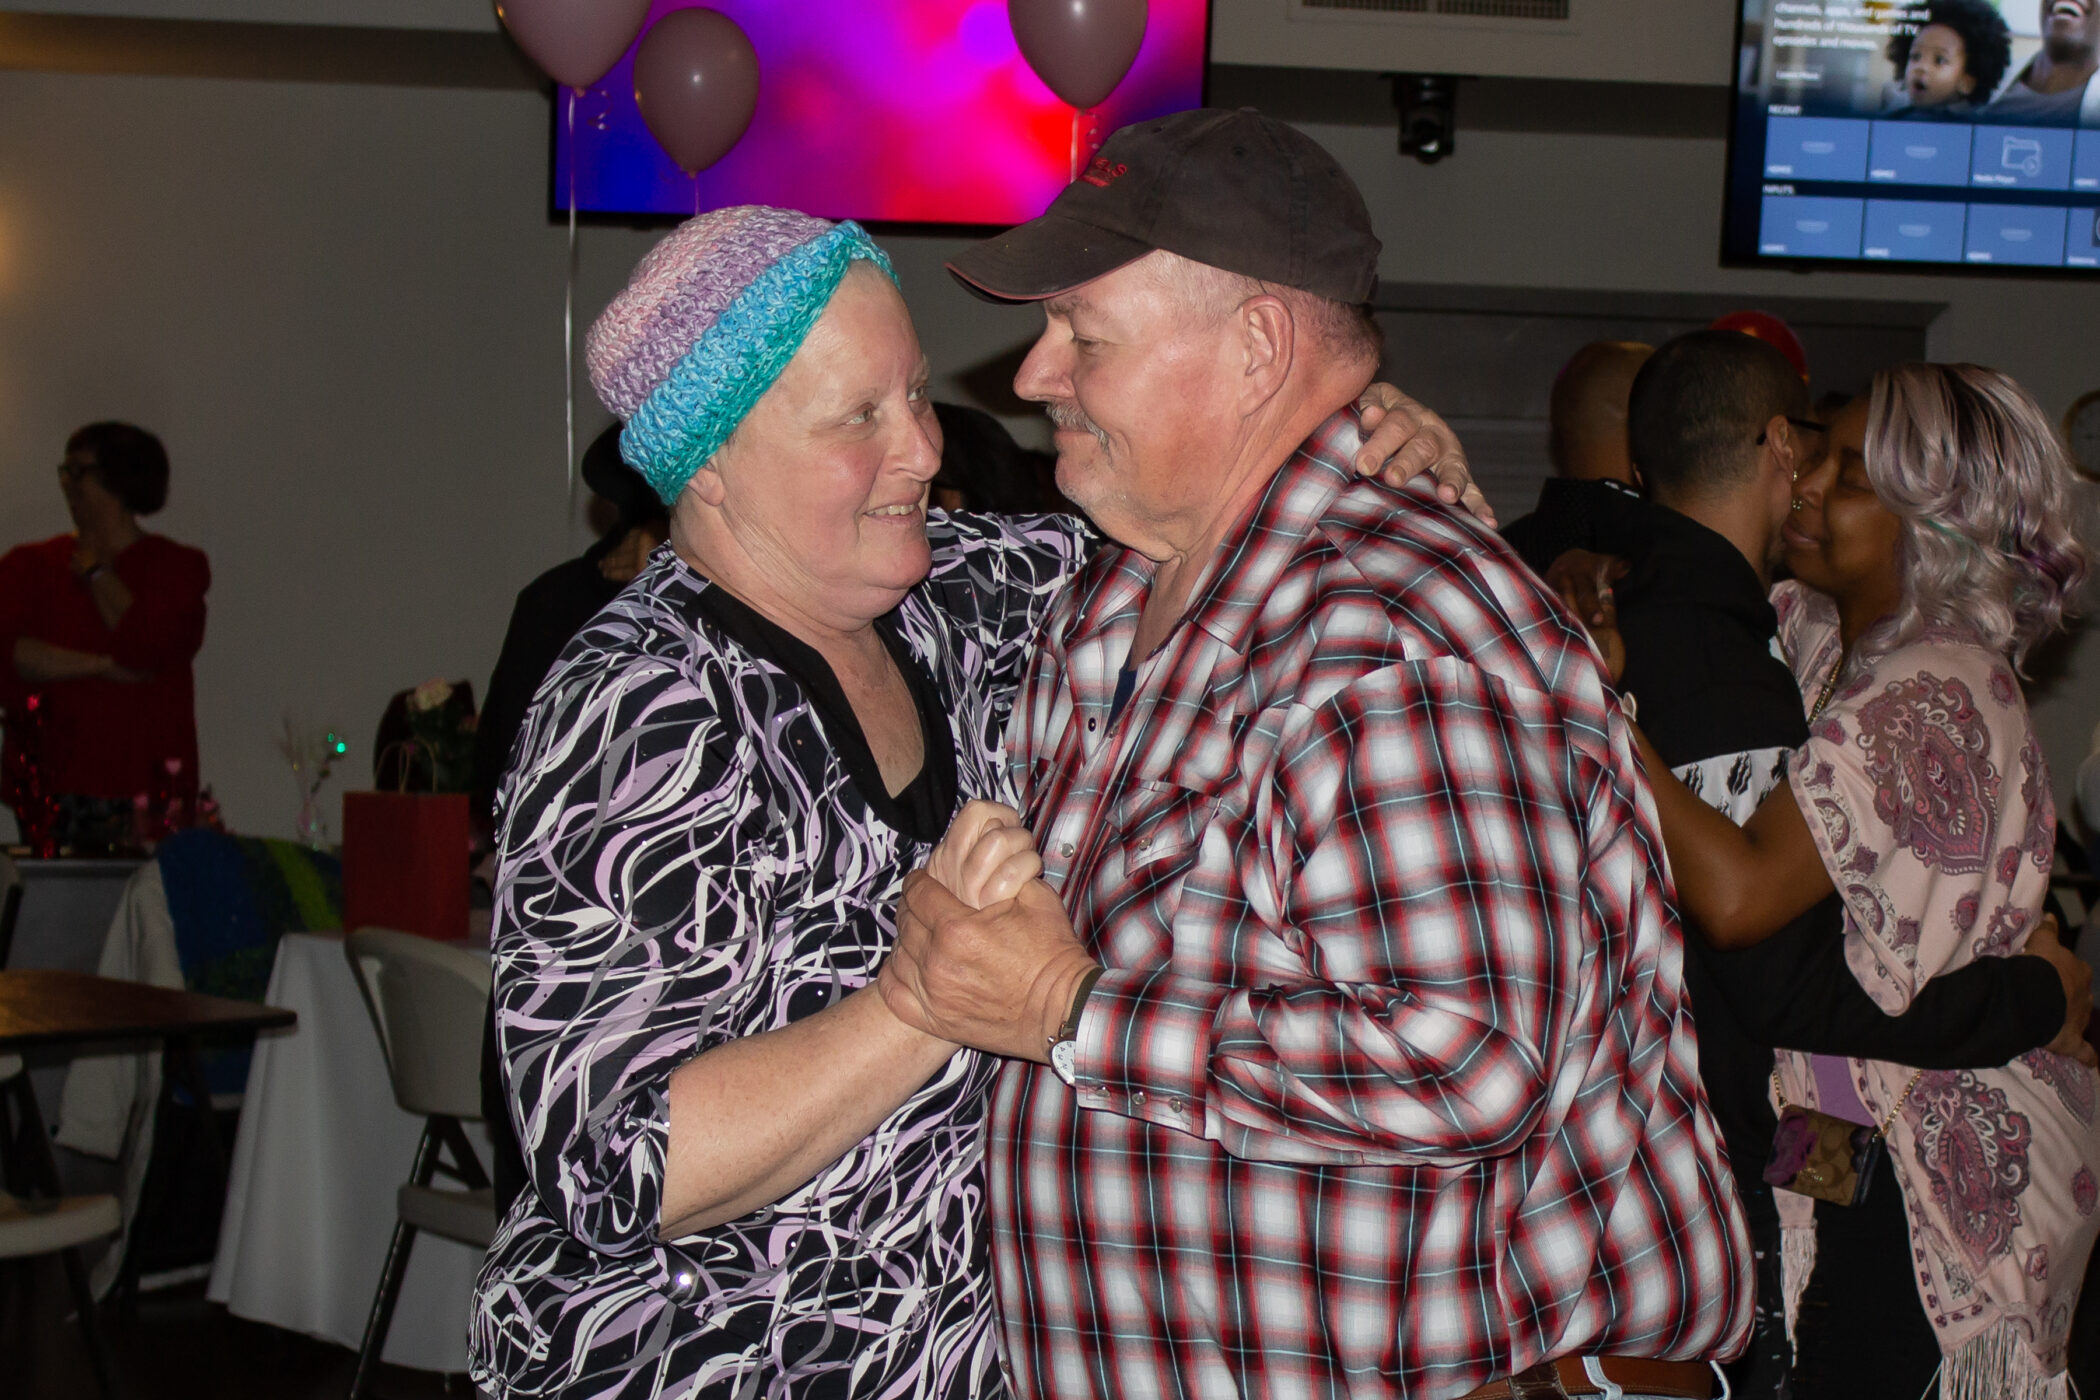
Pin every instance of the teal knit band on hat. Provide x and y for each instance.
(684, 420)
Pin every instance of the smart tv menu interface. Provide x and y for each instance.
(1929, 132)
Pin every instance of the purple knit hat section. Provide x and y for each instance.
(679, 290)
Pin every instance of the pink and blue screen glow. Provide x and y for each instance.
(894, 110)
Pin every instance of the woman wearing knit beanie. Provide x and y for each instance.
(746, 1176)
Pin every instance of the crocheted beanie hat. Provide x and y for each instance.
(710, 318)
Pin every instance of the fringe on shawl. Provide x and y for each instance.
(1996, 1364)
(1797, 1260)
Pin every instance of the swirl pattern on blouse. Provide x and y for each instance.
(685, 859)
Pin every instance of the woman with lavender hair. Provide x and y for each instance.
(745, 1177)
(1930, 553)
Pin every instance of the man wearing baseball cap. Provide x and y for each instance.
(1351, 1047)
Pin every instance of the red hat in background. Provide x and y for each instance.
(1763, 325)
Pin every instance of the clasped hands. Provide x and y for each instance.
(985, 954)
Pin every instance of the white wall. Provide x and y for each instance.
(341, 307)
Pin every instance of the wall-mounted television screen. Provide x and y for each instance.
(922, 111)
(1917, 131)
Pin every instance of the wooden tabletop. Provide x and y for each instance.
(48, 1007)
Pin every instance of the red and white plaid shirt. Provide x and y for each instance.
(1390, 1087)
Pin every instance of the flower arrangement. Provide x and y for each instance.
(22, 779)
(442, 735)
(313, 757)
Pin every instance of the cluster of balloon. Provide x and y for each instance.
(695, 73)
(1080, 49)
(695, 80)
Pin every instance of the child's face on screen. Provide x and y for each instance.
(1938, 72)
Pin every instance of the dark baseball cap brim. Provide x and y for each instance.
(1043, 258)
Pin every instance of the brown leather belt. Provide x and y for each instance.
(1553, 1380)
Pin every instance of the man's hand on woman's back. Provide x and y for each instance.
(2045, 943)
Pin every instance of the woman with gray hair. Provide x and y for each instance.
(745, 1177)
(1930, 552)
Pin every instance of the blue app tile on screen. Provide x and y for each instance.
(1909, 230)
(2082, 243)
(1816, 148)
(2085, 160)
(2021, 235)
(1919, 153)
(1803, 227)
(2021, 158)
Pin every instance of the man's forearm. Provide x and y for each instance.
(40, 663)
(1795, 991)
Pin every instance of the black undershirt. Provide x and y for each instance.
(920, 810)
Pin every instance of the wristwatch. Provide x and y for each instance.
(1064, 1046)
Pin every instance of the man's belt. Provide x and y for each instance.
(1608, 1376)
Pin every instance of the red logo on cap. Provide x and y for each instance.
(1103, 174)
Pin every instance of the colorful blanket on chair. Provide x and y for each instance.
(231, 898)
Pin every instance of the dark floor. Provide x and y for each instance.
(178, 1347)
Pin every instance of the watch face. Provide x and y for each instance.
(1064, 1059)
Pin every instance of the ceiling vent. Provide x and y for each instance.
(1472, 9)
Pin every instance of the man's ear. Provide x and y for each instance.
(1782, 452)
(1270, 336)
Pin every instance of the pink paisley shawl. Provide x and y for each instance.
(1924, 786)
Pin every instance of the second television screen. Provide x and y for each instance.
(1918, 131)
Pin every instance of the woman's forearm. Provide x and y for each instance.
(759, 1117)
(39, 663)
(1740, 884)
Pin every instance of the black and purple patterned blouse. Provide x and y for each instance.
(696, 846)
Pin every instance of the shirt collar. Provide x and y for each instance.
(1245, 569)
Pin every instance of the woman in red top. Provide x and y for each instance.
(101, 625)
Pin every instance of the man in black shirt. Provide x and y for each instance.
(1586, 425)
(1718, 423)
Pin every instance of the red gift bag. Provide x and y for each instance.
(406, 861)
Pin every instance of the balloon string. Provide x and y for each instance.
(1077, 117)
(568, 309)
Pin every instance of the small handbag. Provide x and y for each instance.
(1832, 1159)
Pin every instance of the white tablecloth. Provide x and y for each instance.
(321, 1151)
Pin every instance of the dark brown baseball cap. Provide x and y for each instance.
(1233, 189)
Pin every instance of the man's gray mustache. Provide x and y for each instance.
(1071, 417)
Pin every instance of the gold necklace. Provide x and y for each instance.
(1828, 686)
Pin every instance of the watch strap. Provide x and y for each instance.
(1070, 1029)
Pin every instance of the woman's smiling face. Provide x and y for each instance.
(1842, 540)
(824, 484)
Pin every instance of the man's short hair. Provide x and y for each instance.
(1337, 330)
(129, 462)
(1698, 406)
